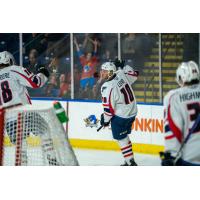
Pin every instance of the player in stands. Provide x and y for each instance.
(119, 105)
(14, 80)
(182, 118)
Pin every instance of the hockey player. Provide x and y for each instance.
(119, 105)
(182, 118)
(14, 80)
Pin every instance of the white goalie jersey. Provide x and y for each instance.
(117, 94)
(13, 83)
(182, 107)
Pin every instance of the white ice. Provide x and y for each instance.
(88, 157)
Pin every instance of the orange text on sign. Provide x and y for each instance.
(148, 125)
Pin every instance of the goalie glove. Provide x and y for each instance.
(44, 71)
(102, 121)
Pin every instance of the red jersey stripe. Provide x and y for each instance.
(28, 97)
(110, 105)
(28, 79)
(176, 131)
(169, 137)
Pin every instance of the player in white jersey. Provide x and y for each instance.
(182, 118)
(119, 105)
(14, 80)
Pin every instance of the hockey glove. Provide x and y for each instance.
(44, 71)
(167, 159)
(102, 122)
(119, 63)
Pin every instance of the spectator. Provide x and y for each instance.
(191, 47)
(54, 65)
(131, 50)
(129, 46)
(136, 48)
(97, 88)
(109, 47)
(64, 87)
(56, 68)
(77, 78)
(33, 64)
(88, 62)
(52, 89)
(106, 57)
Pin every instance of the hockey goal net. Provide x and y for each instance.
(33, 136)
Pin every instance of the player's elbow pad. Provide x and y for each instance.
(44, 71)
(136, 72)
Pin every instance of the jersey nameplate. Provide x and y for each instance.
(121, 82)
(4, 76)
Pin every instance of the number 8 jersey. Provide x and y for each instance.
(117, 94)
(13, 83)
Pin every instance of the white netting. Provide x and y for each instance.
(35, 136)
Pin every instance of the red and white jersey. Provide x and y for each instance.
(181, 108)
(13, 83)
(117, 94)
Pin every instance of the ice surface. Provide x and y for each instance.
(88, 157)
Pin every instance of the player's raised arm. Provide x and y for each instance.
(27, 78)
(130, 73)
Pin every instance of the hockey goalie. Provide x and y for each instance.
(28, 135)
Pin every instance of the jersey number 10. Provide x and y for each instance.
(6, 92)
(128, 94)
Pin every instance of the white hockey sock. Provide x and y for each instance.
(126, 149)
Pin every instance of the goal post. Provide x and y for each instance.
(33, 136)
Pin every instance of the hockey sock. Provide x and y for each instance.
(126, 149)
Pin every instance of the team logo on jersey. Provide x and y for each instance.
(91, 121)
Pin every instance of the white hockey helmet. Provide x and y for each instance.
(186, 72)
(108, 66)
(6, 58)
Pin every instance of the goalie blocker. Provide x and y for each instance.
(33, 136)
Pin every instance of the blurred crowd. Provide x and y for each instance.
(90, 51)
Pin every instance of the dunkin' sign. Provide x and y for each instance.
(148, 125)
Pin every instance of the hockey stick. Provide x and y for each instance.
(99, 128)
(197, 122)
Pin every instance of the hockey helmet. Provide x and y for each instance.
(108, 66)
(186, 72)
(6, 58)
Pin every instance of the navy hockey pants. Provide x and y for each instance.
(121, 127)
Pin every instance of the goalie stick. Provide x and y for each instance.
(196, 124)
